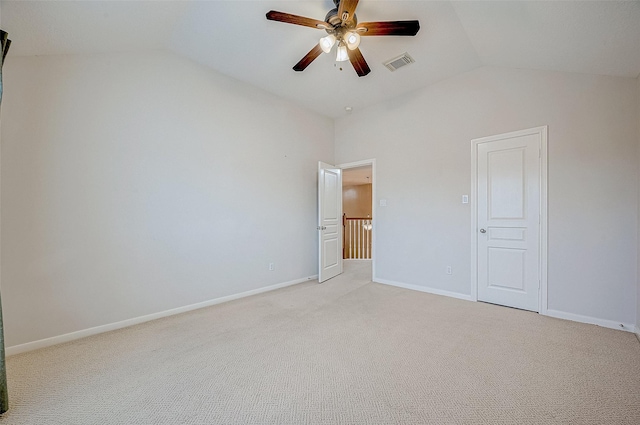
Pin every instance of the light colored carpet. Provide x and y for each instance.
(345, 352)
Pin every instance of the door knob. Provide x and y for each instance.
(483, 231)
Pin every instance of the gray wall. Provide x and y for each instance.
(422, 145)
(137, 183)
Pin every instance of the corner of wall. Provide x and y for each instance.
(335, 139)
(638, 252)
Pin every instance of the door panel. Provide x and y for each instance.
(330, 250)
(330, 207)
(505, 171)
(329, 221)
(508, 193)
(505, 268)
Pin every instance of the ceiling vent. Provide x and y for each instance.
(402, 60)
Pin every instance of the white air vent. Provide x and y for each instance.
(399, 62)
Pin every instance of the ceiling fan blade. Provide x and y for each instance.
(288, 18)
(358, 62)
(388, 28)
(309, 57)
(348, 7)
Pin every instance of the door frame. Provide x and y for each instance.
(542, 133)
(372, 163)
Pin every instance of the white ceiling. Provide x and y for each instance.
(234, 38)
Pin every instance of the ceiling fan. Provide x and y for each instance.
(343, 29)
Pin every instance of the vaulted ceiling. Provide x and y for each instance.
(234, 38)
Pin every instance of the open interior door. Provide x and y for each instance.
(329, 221)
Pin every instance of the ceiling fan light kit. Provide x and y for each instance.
(352, 39)
(326, 43)
(343, 29)
(341, 54)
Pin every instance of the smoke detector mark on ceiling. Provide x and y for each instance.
(402, 60)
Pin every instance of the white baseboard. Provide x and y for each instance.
(424, 289)
(551, 313)
(638, 332)
(612, 324)
(47, 342)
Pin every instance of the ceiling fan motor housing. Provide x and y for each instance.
(335, 21)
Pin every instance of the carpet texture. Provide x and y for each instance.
(347, 351)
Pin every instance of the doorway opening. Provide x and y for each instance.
(358, 199)
(356, 213)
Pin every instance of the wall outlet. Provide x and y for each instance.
(272, 266)
(449, 271)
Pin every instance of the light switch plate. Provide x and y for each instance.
(383, 202)
(465, 199)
